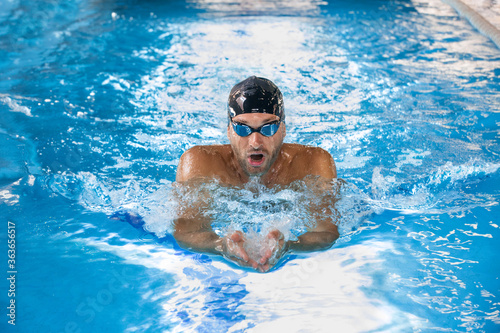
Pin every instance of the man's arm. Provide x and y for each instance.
(193, 230)
(197, 163)
(194, 234)
(325, 232)
(320, 163)
(322, 237)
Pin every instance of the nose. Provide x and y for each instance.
(255, 140)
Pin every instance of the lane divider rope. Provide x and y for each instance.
(479, 22)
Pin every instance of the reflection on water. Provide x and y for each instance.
(258, 7)
(314, 292)
(99, 100)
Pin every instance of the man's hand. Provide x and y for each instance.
(275, 247)
(234, 250)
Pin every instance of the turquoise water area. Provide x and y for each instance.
(98, 100)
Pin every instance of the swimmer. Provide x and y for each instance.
(256, 131)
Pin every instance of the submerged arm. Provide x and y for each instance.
(324, 189)
(317, 239)
(193, 230)
(196, 234)
(325, 232)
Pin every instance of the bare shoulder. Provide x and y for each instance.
(201, 162)
(312, 160)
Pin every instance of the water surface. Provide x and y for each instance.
(99, 99)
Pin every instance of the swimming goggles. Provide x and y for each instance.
(266, 130)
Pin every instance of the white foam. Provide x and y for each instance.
(421, 192)
(14, 106)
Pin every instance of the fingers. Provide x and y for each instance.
(276, 248)
(267, 255)
(254, 264)
(235, 249)
(237, 236)
(270, 254)
(250, 263)
(241, 253)
(275, 234)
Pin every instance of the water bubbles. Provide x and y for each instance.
(252, 209)
(414, 193)
(15, 106)
(147, 201)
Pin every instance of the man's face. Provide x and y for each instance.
(256, 153)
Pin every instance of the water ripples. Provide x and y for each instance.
(404, 96)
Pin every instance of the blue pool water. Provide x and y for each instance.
(98, 100)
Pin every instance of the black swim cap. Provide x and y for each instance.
(255, 95)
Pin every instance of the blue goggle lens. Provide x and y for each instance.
(266, 130)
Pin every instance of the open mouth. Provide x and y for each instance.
(256, 159)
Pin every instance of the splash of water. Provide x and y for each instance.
(422, 193)
(253, 209)
(256, 210)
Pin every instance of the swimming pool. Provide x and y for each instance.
(100, 98)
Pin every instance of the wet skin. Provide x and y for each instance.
(275, 163)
